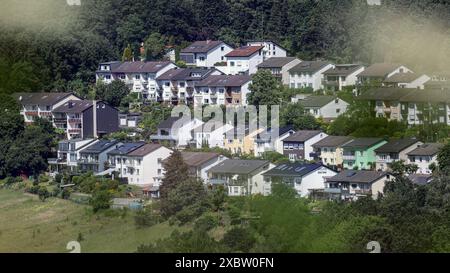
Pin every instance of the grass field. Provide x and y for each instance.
(30, 225)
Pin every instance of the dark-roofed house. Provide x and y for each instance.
(299, 146)
(68, 154)
(140, 77)
(177, 84)
(205, 53)
(407, 80)
(79, 118)
(378, 72)
(395, 150)
(420, 179)
(351, 184)
(211, 134)
(330, 150)
(143, 165)
(223, 90)
(326, 107)
(360, 153)
(265, 143)
(424, 156)
(116, 156)
(241, 177)
(200, 162)
(309, 74)
(304, 178)
(279, 67)
(270, 48)
(176, 131)
(244, 60)
(95, 156)
(41, 104)
(342, 75)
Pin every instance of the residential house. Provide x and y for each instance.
(106, 72)
(360, 153)
(177, 131)
(420, 179)
(144, 166)
(129, 120)
(140, 77)
(424, 156)
(241, 141)
(326, 107)
(304, 178)
(81, 119)
(117, 157)
(329, 150)
(340, 76)
(240, 177)
(377, 73)
(200, 162)
(223, 90)
(309, 74)
(439, 80)
(205, 53)
(177, 84)
(298, 146)
(265, 143)
(68, 154)
(211, 134)
(407, 80)
(412, 105)
(395, 150)
(94, 158)
(351, 184)
(244, 60)
(279, 67)
(270, 49)
(41, 104)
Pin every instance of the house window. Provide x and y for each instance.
(159, 171)
(108, 77)
(137, 77)
(202, 58)
(231, 63)
(338, 111)
(222, 49)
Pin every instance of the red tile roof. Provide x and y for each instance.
(244, 51)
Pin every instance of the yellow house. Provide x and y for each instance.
(238, 145)
(329, 150)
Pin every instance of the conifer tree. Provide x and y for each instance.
(176, 172)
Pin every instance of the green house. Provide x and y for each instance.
(360, 153)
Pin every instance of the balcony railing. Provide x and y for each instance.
(74, 120)
(60, 120)
(349, 157)
(87, 161)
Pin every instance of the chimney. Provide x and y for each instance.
(94, 117)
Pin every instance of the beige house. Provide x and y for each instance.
(241, 143)
(329, 150)
(394, 150)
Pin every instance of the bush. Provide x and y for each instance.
(65, 194)
(239, 239)
(206, 223)
(43, 178)
(58, 178)
(100, 200)
(146, 218)
(188, 214)
(43, 193)
(33, 189)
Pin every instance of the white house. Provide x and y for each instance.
(395, 150)
(264, 143)
(211, 134)
(342, 75)
(176, 131)
(299, 146)
(270, 49)
(326, 107)
(244, 60)
(309, 74)
(200, 162)
(223, 90)
(378, 72)
(407, 80)
(205, 53)
(423, 156)
(68, 154)
(140, 77)
(304, 178)
(279, 67)
(240, 177)
(94, 157)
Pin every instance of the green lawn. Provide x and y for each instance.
(30, 225)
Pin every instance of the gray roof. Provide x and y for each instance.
(113, 65)
(198, 158)
(126, 148)
(74, 106)
(316, 101)
(293, 169)
(301, 136)
(402, 78)
(238, 166)
(353, 176)
(140, 67)
(201, 46)
(266, 136)
(342, 69)
(225, 80)
(379, 70)
(145, 150)
(333, 141)
(396, 145)
(186, 74)
(420, 179)
(99, 146)
(426, 149)
(168, 123)
(309, 67)
(40, 98)
(362, 143)
(406, 95)
(276, 62)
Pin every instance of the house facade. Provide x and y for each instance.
(270, 49)
(223, 90)
(265, 143)
(377, 73)
(244, 60)
(340, 76)
(94, 158)
(279, 67)
(304, 178)
(360, 153)
(205, 53)
(299, 146)
(407, 80)
(211, 134)
(394, 150)
(325, 107)
(309, 74)
(241, 141)
(329, 150)
(68, 154)
(176, 131)
(200, 162)
(424, 156)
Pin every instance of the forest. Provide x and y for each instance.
(50, 45)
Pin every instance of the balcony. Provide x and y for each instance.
(32, 113)
(74, 131)
(87, 161)
(363, 192)
(330, 83)
(349, 157)
(55, 161)
(74, 120)
(217, 181)
(60, 120)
